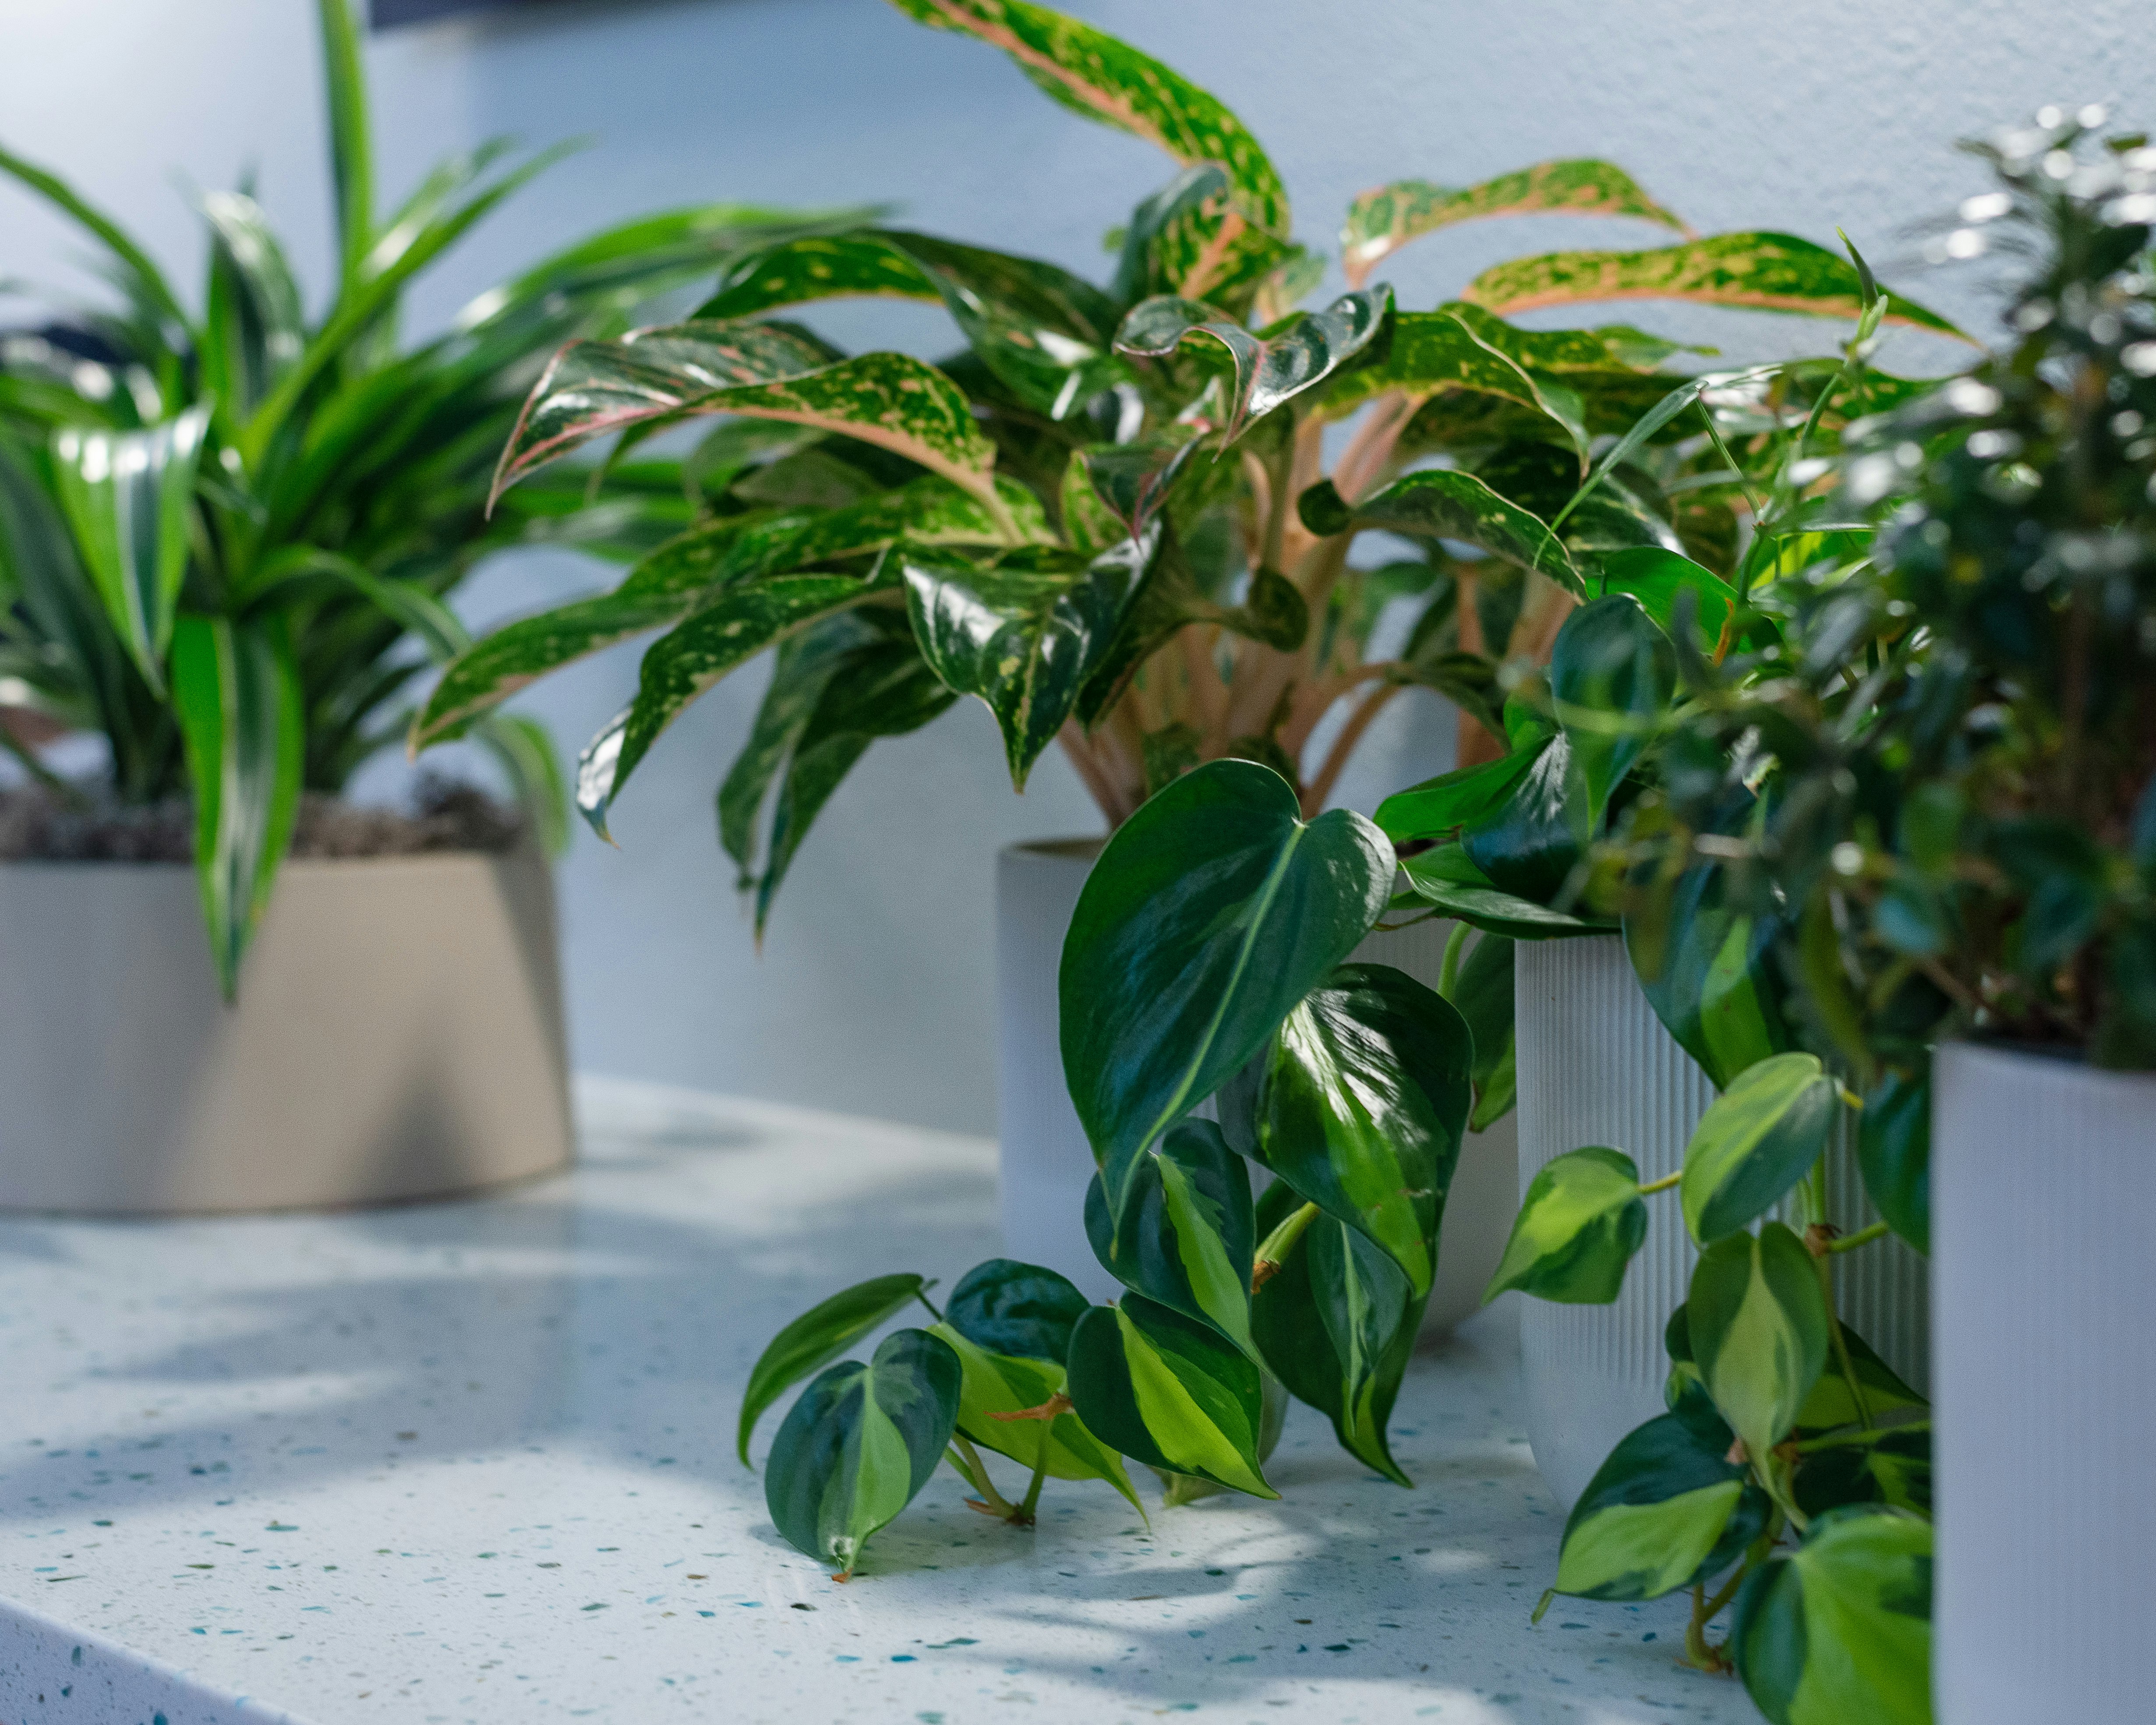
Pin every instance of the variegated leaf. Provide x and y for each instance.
(1443, 503)
(1386, 217)
(1759, 272)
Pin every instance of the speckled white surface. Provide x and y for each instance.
(473, 1462)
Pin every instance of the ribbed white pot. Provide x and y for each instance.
(1596, 1067)
(2043, 1272)
(1046, 1160)
(398, 1035)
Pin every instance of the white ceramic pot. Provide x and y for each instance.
(398, 1035)
(2044, 1273)
(1596, 1067)
(1046, 1160)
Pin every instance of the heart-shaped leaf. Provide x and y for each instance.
(1440, 808)
(1212, 912)
(860, 1443)
(1529, 844)
(1830, 1405)
(1337, 1324)
(1759, 1138)
(1024, 635)
(1761, 272)
(998, 1391)
(1668, 1508)
(1167, 1391)
(1447, 878)
(1272, 370)
(1386, 217)
(1759, 1322)
(1613, 675)
(1840, 1629)
(1655, 577)
(1018, 1310)
(1581, 1220)
(1185, 1236)
(1444, 503)
(816, 1338)
(1711, 974)
(1366, 1096)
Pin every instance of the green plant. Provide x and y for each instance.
(223, 531)
(1108, 516)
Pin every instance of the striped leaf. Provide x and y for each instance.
(126, 494)
(242, 723)
(1366, 1095)
(1024, 635)
(1759, 1138)
(253, 328)
(1443, 503)
(1758, 272)
(1386, 217)
(1206, 252)
(1580, 1221)
(860, 1443)
(1185, 1236)
(1665, 1509)
(1758, 1319)
(1167, 1391)
(1213, 911)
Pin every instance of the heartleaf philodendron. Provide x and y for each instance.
(1581, 1220)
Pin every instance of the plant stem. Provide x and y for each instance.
(1023, 1514)
(1863, 1236)
(975, 1475)
(1845, 1439)
(1663, 1184)
(1447, 975)
(922, 1295)
(1278, 1244)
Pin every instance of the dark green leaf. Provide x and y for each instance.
(860, 1443)
(1759, 1138)
(1655, 577)
(1483, 995)
(1447, 878)
(1830, 1405)
(1440, 808)
(1020, 1309)
(1580, 1221)
(1530, 845)
(1665, 1509)
(1213, 911)
(1613, 675)
(1183, 1237)
(1714, 982)
(816, 1338)
(1443, 503)
(1894, 1153)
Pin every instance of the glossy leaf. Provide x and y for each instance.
(816, 1338)
(1580, 1221)
(352, 155)
(1440, 808)
(1482, 994)
(731, 629)
(1132, 481)
(1152, 257)
(838, 685)
(1760, 272)
(1338, 1325)
(1213, 911)
(860, 1443)
(1758, 1323)
(126, 494)
(1020, 1311)
(1386, 217)
(1444, 503)
(1760, 1136)
(1183, 1237)
(1530, 845)
(1894, 1153)
(1666, 1509)
(1366, 1096)
(594, 387)
(1093, 74)
(1655, 577)
(1168, 1391)
(1831, 1405)
(1711, 974)
(242, 717)
(1024, 635)
(994, 1385)
(1272, 370)
(254, 331)
(1613, 676)
(1447, 878)
(1840, 1629)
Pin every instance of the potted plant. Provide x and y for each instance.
(226, 536)
(1108, 515)
(1965, 848)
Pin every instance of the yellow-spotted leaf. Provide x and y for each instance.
(1580, 1221)
(1758, 272)
(1167, 1391)
(1386, 217)
(860, 1443)
(1444, 503)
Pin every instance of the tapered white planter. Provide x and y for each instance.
(1046, 1160)
(398, 1035)
(2044, 1274)
(1596, 1067)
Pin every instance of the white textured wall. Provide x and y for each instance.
(873, 995)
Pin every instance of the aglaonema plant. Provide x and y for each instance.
(228, 531)
(1206, 961)
(1110, 515)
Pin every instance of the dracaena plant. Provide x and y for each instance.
(1109, 514)
(227, 532)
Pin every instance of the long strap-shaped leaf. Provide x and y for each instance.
(1759, 272)
(1094, 73)
(1444, 503)
(126, 494)
(141, 271)
(236, 689)
(1386, 217)
(1213, 911)
(351, 156)
(1270, 370)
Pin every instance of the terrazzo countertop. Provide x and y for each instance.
(473, 1462)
